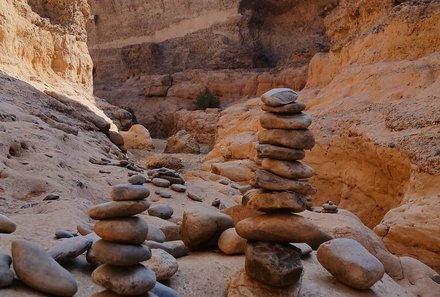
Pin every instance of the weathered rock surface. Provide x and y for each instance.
(350, 263)
(231, 243)
(269, 201)
(279, 97)
(40, 271)
(120, 254)
(239, 170)
(127, 281)
(282, 228)
(126, 230)
(124, 192)
(274, 264)
(201, 228)
(117, 209)
(182, 142)
(138, 137)
(163, 264)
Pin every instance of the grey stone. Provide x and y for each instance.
(132, 280)
(124, 192)
(155, 234)
(175, 248)
(298, 121)
(6, 274)
(274, 264)
(164, 194)
(163, 211)
(40, 271)
(118, 209)
(304, 247)
(163, 264)
(163, 291)
(279, 152)
(138, 179)
(64, 234)
(70, 248)
(279, 97)
(178, 188)
(161, 182)
(120, 254)
(350, 263)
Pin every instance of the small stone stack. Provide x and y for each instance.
(121, 250)
(282, 189)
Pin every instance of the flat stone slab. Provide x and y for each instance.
(288, 169)
(124, 192)
(291, 108)
(296, 139)
(279, 152)
(298, 121)
(269, 181)
(279, 97)
(118, 209)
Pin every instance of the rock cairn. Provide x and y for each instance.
(282, 188)
(120, 249)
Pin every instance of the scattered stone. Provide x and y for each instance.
(164, 291)
(173, 180)
(298, 121)
(163, 211)
(115, 138)
(231, 243)
(279, 97)
(274, 264)
(296, 139)
(216, 202)
(6, 274)
(225, 182)
(164, 160)
(175, 248)
(436, 278)
(178, 188)
(201, 228)
(182, 142)
(269, 181)
(279, 152)
(85, 228)
(40, 271)
(196, 196)
(124, 192)
(132, 230)
(164, 194)
(155, 234)
(157, 191)
(163, 264)
(282, 227)
(244, 189)
(118, 209)
(350, 263)
(268, 201)
(288, 169)
(304, 247)
(161, 182)
(120, 254)
(133, 280)
(64, 234)
(138, 179)
(70, 248)
(51, 197)
(329, 207)
(6, 225)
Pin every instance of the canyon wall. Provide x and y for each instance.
(159, 55)
(375, 104)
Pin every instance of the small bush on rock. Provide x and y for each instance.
(207, 99)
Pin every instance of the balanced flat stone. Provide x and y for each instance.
(163, 264)
(298, 121)
(127, 230)
(288, 169)
(120, 254)
(6, 274)
(40, 271)
(268, 201)
(269, 181)
(279, 97)
(279, 152)
(231, 243)
(126, 281)
(163, 211)
(291, 108)
(6, 225)
(124, 192)
(296, 139)
(70, 248)
(350, 263)
(201, 228)
(282, 227)
(118, 209)
(274, 264)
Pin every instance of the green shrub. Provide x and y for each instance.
(207, 99)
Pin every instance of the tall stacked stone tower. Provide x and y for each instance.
(282, 189)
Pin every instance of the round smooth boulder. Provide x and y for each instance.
(132, 230)
(163, 211)
(118, 209)
(163, 264)
(350, 263)
(274, 264)
(231, 243)
(126, 281)
(6, 225)
(40, 271)
(6, 275)
(201, 228)
(282, 227)
(126, 192)
(120, 254)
